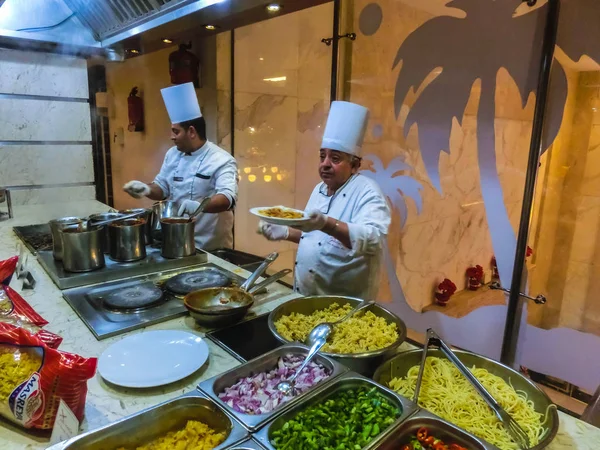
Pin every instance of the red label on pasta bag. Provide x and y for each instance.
(27, 401)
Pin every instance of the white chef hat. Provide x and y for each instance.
(346, 126)
(181, 102)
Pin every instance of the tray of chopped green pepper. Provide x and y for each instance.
(353, 413)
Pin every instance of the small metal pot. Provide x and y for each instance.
(162, 210)
(105, 235)
(147, 215)
(178, 237)
(82, 250)
(127, 240)
(56, 226)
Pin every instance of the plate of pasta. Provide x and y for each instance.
(280, 215)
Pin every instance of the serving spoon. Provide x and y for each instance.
(287, 387)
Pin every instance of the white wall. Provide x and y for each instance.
(45, 129)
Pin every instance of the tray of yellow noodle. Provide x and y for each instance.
(191, 421)
(280, 215)
(447, 394)
(361, 342)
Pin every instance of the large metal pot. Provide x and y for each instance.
(363, 363)
(82, 250)
(56, 226)
(178, 237)
(399, 365)
(162, 210)
(105, 235)
(127, 240)
(147, 215)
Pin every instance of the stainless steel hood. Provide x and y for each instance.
(97, 25)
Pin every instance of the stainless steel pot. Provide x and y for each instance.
(178, 237)
(162, 210)
(147, 215)
(127, 240)
(82, 250)
(105, 235)
(56, 226)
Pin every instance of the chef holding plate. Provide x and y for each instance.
(341, 241)
(192, 170)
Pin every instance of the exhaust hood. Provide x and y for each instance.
(94, 26)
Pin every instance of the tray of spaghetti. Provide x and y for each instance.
(447, 394)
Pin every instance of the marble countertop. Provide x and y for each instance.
(107, 403)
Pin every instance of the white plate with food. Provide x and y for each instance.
(280, 215)
(152, 358)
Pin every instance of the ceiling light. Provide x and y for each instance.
(274, 7)
(134, 51)
(275, 79)
(210, 27)
(167, 41)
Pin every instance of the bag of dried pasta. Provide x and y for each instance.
(7, 268)
(34, 378)
(16, 311)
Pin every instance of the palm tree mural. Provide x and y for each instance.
(472, 50)
(394, 184)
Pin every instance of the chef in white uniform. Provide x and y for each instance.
(340, 247)
(194, 169)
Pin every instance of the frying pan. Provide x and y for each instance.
(224, 305)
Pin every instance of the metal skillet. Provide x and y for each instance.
(220, 305)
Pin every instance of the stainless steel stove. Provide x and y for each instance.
(116, 307)
(113, 270)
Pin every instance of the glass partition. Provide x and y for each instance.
(282, 74)
(561, 344)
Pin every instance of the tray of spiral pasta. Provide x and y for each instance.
(188, 421)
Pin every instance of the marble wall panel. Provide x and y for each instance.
(261, 54)
(265, 149)
(42, 120)
(53, 195)
(34, 73)
(45, 164)
(314, 57)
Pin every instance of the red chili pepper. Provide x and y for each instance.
(429, 440)
(422, 434)
(439, 445)
(456, 447)
(406, 447)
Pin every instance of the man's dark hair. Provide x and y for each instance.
(199, 125)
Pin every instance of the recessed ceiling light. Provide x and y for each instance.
(274, 7)
(134, 51)
(210, 27)
(167, 41)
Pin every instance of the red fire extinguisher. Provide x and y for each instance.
(135, 109)
(184, 66)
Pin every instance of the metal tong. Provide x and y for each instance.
(513, 428)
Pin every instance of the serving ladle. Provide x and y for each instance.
(287, 387)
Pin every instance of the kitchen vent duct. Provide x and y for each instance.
(108, 17)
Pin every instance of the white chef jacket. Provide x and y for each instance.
(208, 171)
(325, 266)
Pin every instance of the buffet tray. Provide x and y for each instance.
(399, 365)
(213, 386)
(447, 432)
(349, 380)
(156, 421)
(250, 444)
